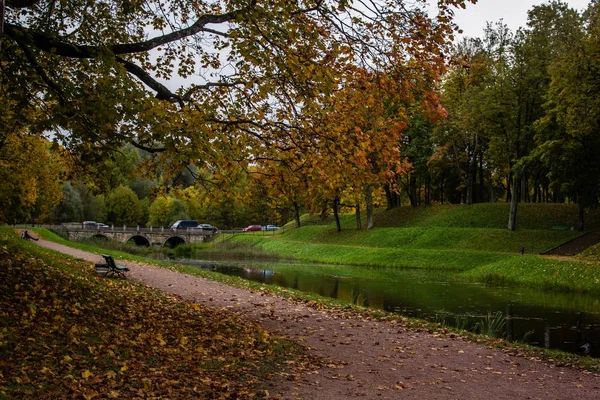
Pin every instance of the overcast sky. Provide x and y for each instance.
(473, 19)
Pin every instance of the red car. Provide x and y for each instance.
(252, 228)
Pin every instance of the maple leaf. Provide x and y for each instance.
(86, 374)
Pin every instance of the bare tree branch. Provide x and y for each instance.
(162, 92)
(188, 94)
(58, 46)
(151, 150)
(21, 3)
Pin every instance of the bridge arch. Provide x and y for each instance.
(139, 240)
(174, 241)
(100, 236)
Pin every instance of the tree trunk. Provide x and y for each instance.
(509, 185)
(580, 216)
(296, 214)
(336, 202)
(393, 199)
(369, 201)
(388, 196)
(412, 190)
(514, 199)
(469, 186)
(419, 184)
(358, 223)
(481, 179)
(474, 193)
(524, 189)
(428, 190)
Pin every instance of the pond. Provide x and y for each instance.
(565, 321)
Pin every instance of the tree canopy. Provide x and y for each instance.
(314, 104)
(98, 70)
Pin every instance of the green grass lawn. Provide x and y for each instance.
(470, 239)
(351, 254)
(488, 215)
(541, 272)
(481, 239)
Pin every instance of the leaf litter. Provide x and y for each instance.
(65, 333)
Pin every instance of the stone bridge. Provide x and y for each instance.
(152, 236)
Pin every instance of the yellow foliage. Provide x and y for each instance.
(29, 184)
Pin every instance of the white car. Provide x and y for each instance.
(269, 228)
(208, 227)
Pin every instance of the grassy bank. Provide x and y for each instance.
(488, 215)
(435, 238)
(492, 267)
(465, 239)
(541, 272)
(447, 259)
(65, 333)
(100, 297)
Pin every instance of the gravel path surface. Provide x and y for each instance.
(575, 246)
(373, 359)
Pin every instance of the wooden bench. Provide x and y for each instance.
(110, 267)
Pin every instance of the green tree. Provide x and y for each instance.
(569, 141)
(92, 210)
(462, 137)
(123, 207)
(142, 186)
(165, 210)
(417, 147)
(550, 27)
(71, 207)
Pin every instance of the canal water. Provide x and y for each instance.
(565, 321)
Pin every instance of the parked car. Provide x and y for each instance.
(184, 224)
(93, 225)
(252, 228)
(270, 228)
(208, 227)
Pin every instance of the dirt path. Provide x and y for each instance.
(372, 359)
(575, 246)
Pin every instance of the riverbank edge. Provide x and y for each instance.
(555, 357)
(565, 274)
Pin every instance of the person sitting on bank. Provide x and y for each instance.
(25, 235)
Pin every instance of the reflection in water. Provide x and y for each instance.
(565, 321)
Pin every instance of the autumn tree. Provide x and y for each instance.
(361, 131)
(96, 68)
(30, 185)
